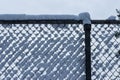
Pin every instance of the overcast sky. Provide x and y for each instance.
(99, 9)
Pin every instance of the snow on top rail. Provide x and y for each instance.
(82, 18)
(37, 17)
(85, 17)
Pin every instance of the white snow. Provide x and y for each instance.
(36, 17)
(48, 17)
(112, 18)
(12, 16)
(82, 16)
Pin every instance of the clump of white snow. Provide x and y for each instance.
(12, 16)
(53, 17)
(112, 18)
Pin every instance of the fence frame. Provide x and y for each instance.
(60, 21)
(87, 29)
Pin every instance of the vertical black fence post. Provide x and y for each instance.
(87, 29)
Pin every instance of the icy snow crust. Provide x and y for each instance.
(82, 16)
(35, 17)
(112, 18)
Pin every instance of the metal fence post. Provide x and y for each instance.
(87, 29)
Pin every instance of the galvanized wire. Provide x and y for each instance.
(42, 51)
(105, 46)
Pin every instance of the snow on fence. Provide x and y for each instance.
(59, 47)
(105, 49)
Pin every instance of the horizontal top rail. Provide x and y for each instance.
(40, 21)
(105, 21)
(61, 21)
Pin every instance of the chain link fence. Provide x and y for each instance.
(105, 46)
(50, 50)
(42, 51)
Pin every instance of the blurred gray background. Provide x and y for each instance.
(99, 9)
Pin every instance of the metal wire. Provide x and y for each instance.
(55, 50)
(105, 47)
(42, 51)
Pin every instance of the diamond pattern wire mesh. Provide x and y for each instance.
(42, 51)
(105, 47)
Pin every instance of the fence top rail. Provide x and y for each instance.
(105, 21)
(52, 21)
(60, 21)
(82, 18)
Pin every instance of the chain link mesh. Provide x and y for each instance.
(57, 52)
(42, 51)
(105, 47)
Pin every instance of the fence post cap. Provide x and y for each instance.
(85, 16)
